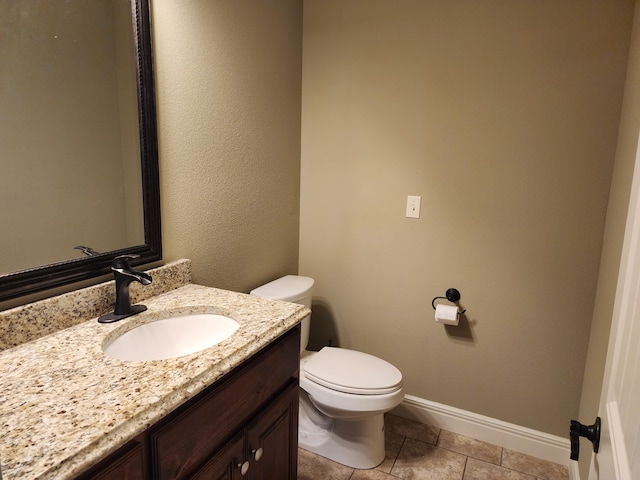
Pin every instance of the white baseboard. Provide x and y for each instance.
(514, 437)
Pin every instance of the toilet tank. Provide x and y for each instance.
(294, 289)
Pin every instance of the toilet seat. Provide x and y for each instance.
(352, 372)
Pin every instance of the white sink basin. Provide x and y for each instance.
(171, 337)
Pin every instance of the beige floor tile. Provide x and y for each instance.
(315, 467)
(411, 429)
(370, 475)
(419, 460)
(541, 468)
(392, 443)
(479, 470)
(470, 447)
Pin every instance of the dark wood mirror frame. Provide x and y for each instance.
(36, 279)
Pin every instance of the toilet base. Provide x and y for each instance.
(354, 443)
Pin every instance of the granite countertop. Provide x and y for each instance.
(65, 405)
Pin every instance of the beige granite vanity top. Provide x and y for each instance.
(64, 404)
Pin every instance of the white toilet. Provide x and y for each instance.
(343, 393)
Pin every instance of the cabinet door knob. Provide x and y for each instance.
(257, 454)
(244, 468)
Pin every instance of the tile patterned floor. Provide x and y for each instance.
(419, 452)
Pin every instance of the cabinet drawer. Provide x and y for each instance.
(189, 436)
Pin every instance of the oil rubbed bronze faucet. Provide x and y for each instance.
(124, 275)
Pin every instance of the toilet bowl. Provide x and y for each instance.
(344, 393)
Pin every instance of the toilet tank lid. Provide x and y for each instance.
(351, 371)
(288, 288)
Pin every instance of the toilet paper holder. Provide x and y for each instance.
(452, 295)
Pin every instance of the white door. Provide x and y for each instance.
(619, 454)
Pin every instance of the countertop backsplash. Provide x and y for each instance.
(29, 322)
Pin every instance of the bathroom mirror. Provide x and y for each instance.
(78, 139)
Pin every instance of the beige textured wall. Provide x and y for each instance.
(613, 238)
(503, 116)
(228, 78)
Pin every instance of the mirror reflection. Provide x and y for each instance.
(69, 131)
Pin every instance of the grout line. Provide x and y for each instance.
(393, 464)
(464, 470)
(438, 437)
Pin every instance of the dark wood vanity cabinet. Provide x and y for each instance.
(262, 451)
(245, 426)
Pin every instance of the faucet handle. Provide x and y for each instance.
(122, 261)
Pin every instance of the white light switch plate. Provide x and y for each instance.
(413, 206)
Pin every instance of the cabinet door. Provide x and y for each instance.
(227, 464)
(272, 439)
(125, 464)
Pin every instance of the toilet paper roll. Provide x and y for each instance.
(447, 314)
